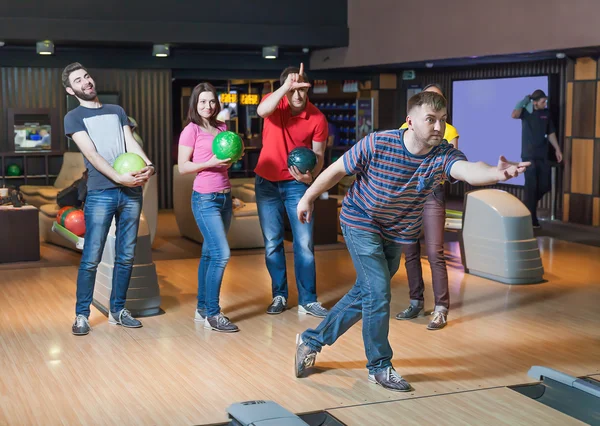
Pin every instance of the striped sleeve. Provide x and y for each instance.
(357, 158)
(452, 156)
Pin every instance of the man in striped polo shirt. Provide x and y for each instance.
(395, 172)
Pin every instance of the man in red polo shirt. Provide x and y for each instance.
(291, 121)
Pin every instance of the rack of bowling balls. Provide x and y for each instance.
(72, 219)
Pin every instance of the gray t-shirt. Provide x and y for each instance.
(104, 126)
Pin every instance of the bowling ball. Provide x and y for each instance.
(13, 170)
(61, 211)
(228, 145)
(303, 158)
(66, 210)
(75, 222)
(128, 162)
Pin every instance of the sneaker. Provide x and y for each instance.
(390, 380)
(81, 326)
(277, 306)
(220, 323)
(305, 357)
(439, 321)
(200, 315)
(315, 309)
(410, 313)
(123, 318)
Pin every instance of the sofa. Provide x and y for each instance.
(71, 170)
(245, 231)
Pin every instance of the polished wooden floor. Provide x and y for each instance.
(173, 371)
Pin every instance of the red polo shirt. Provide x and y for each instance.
(283, 132)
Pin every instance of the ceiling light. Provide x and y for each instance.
(2, 43)
(429, 64)
(270, 52)
(45, 47)
(560, 55)
(161, 50)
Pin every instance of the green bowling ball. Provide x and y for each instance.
(128, 162)
(228, 145)
(303, 158)
(13, 170)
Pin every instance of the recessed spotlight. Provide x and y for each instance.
(305, 50)
(45, 47)
(161, 50)
(429, 64)
(270, 52)
(561, 55)
(2, 43)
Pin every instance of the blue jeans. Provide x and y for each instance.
(213, 215)
(273, 200)
(125, 205)
(376, 261)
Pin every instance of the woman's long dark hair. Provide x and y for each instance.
(193, 116)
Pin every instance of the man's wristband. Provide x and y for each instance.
(153, 166)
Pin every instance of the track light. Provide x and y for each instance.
(161, 50)
(270, 52)
(45, 47)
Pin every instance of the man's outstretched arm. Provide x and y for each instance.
(481, 174)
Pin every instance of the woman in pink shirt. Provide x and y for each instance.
(211, 201)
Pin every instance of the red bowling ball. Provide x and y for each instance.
(75, 222)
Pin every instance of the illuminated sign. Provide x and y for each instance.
(228, 98)
(249, 99)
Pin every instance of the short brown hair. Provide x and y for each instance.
(291, 70)
(68, 70)
(193, 116)
(432, 99)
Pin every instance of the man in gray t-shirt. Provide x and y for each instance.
(102, 133)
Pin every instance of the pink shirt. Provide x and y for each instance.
(208, 180)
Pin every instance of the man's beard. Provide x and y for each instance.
(86, 96)
(433, 142)
(425, 141)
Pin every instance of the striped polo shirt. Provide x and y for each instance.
(392, 184)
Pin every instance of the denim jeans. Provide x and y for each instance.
(125, 205)
(376, 261)
(434, 222)
(274, 199)
(213, 216)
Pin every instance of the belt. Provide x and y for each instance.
(225, 191)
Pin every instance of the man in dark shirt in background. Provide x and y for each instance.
(538, 129)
